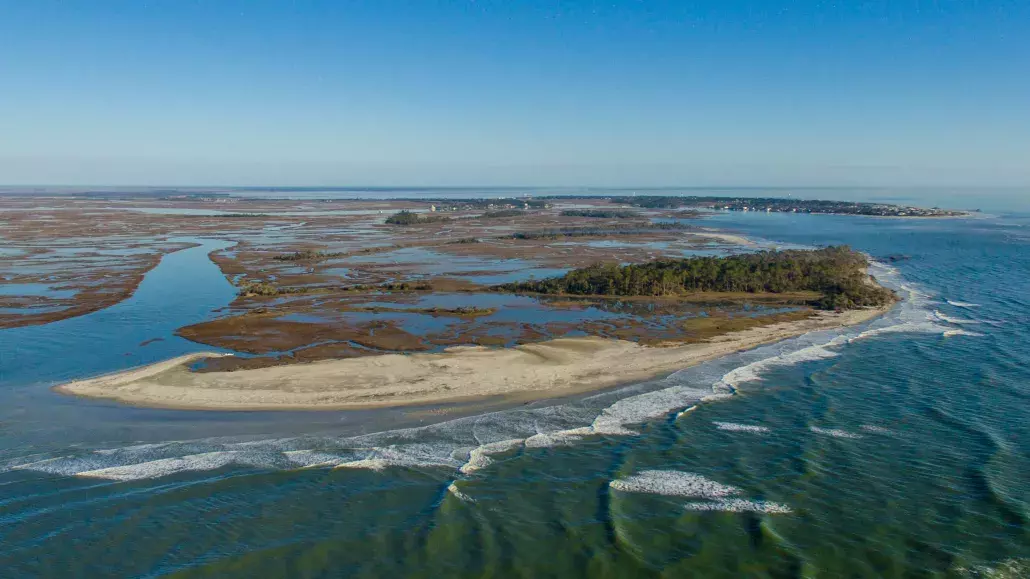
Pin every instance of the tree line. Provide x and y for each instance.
(406, 217)
(837, 273)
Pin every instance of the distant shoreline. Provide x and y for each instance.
(560, 367)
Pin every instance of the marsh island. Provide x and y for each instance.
(352, 303)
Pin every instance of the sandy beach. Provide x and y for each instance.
(533, 371)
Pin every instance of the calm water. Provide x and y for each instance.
(897, 449)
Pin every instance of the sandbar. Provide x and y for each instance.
(542, 370)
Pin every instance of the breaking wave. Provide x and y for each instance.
(962, 333)
(952, 320)
(740, 506)
(673, 483)
(834, 432)
(453, 489)
(734, 427)
(719, 497)
(962, 304)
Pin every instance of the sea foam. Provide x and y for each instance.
(453, 489)
(718, 496)
(165, 466)
(950, 333)
(953, 320)
(753, 372)
(734, 427)
(673, 483)
(874, 429)
(834, 432)
(479, 457)
(963, 304)
(740, 506)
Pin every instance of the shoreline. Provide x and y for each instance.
(538, 371)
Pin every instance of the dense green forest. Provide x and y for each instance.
(837, 273)
(653, 201)
(411, 218)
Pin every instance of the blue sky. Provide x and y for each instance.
(382, 92)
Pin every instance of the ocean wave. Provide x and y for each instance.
(673, 483)
(1007, 569)
(313, 459)
(166, 466)
(953, 320)
(962, 304)
(950, 333)
(685, 411)
(740, 506)
(453, 489)
(834, 432)
(910, 327)
(615, 419)
(872, 428)
(913, 292)
(151, 461)
(409, 455)
(479, 457)
(734, 427)
(753, 372)
(718, 496)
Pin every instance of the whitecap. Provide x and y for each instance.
(740, 506)
(753, 372)
(406, 455)
(950, 333)
(963, 304)
(453, 489)
(914, 327)
(734, 427)
(559, 437)
(164, 467)
(673, 483)
(134, 448)
(374, 463)
(479, 457)
(313, 459)
(834, 432)
(953, 320)
(685, 411)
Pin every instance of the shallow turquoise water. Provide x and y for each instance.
(896, 449)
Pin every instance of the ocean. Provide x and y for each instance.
(899, 448)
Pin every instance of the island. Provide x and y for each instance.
(352, 303)
(784, 205)
(430, 343)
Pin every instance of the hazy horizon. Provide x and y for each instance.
(615, 94)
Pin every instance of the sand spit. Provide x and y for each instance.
(533, 371)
